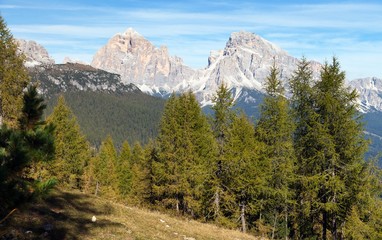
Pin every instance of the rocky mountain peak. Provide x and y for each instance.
(130, 32)
(252, 41)
(138, 61)
(35, 53)
(370, 93)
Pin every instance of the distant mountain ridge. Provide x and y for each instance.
(243, 64)
(131, 63)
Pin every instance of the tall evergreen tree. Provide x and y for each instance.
(185, 149)
(124, 170)
(72, 151)
(330, 147)
(275, 130)
(343, 163)
(13, 78)
(105, 169)
(223, 116)
(31, 143)
(141, 178)
(307, 145)
(245, 173)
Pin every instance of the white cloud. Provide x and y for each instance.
(191, 30)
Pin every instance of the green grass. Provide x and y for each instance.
(67, 215)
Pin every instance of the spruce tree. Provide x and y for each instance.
(275, 130)
(13, 78)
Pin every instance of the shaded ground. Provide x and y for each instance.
(68, 215)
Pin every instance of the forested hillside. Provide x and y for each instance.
(131, 116)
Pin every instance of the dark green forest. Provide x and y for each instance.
(131, 116)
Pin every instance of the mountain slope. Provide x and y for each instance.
(102, 104)
(68, 215)
(129, 116)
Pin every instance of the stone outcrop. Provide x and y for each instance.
(140, 62)
(35, 53)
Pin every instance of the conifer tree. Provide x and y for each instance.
(275, 130)
(330, 147)
(306, 141)
(223, 116)
(105, 169)
(185, 149)
(72, 151)
(13, 78)
(20, 148)
(245, 173)
(343, 163)
(141, 179)
(124, 170)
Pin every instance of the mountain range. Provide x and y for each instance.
(129, 62)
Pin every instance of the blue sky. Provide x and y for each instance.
(349, 30)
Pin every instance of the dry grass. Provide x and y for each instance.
(67, 215)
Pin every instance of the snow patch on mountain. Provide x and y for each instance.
(370, 93)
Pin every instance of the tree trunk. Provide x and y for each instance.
(324, 225)
(96, 191)
(242, 216)
(286, 223)
(217, 203)
(274, 227)
(177, 205)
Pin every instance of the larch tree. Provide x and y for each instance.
(330, 147)
(105, 169)
(124, 170)
(245, 173)
(72, 151)
(221, 121)
(14, 78)
(185, 149)
(275, 129)
(344, 161)
(141, 183)
(307, 145)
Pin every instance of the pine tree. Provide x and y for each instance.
(72, 150)
(13, 78)
(275, 130)
(20, 148)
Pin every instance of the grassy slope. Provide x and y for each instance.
(69, 215)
